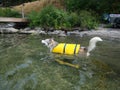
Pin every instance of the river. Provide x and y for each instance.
(26, 64)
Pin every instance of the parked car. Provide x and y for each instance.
(114, 20)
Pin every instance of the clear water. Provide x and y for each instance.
(26, 64)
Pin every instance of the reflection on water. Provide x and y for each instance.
(26, 64)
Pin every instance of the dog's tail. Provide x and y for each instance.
(92, 44)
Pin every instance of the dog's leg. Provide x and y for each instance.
(68, 64)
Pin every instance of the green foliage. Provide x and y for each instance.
(74, 19)
(88, 20)
(50, 17)
(58, 19)
(34, 19)
(75, 5)
(7, 12)
(99, 6)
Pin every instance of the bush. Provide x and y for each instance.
(88, 20)
(99, 6)
(75, 5)
(34, 19)
(50, 16)
(7, 12)
(74, 19)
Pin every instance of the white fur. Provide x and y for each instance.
(92, 44)
(43, 41)
(50, 43)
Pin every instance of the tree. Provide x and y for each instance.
(99, 6)
(7, 3)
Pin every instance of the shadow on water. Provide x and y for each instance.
(26, 64)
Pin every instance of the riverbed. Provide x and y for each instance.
(26, 64)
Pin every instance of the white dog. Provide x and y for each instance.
(70, 49)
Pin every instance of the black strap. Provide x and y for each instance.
(64, 48)
(75, 49)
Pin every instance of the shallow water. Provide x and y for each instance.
(26, 64)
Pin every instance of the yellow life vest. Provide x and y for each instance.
(63, 48)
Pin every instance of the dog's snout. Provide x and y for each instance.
(44, 42)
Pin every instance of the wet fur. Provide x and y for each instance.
(51, 43)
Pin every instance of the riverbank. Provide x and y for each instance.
(101, 31)
(104, 32)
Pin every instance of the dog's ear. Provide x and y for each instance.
(51, 39)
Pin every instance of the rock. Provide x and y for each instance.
(8, 30)
(38, 28)
(10, 25)
(104, 32)
(28, 32)
(62, 35)
(76, 32)
(7, 25)
(41, 32)
(27, 29)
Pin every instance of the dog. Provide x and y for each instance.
(70, 49)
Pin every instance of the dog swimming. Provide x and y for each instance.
(70, 49)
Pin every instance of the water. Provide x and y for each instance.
(26, 64)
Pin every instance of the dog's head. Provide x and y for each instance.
(48, 42)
